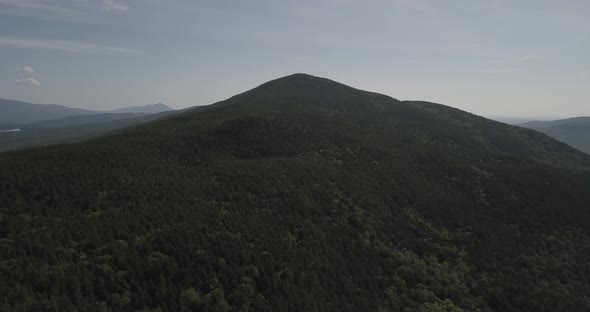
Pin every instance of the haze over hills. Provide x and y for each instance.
(73, 129)
(17, 113)
(25, 124)
(145, 109)
(511, 120)
(302, 194)
(573, 131)
(78, 120)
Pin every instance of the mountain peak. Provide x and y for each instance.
(304, 92)
(145, 109)
(159, 104)
(305, 80)
(302, 76)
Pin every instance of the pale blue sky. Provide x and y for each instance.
(495, 57)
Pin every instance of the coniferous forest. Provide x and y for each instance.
(300, 195)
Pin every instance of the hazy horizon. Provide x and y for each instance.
(506, 119)
(496, 58)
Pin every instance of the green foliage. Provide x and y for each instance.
(300, 195)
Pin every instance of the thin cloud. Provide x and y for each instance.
(111, 5)
(26, 70)
(62, 45)
(68, 6)
(499, 70)
(526, 58)
(28, 82)
(35, 5)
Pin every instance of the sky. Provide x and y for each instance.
(502, 58)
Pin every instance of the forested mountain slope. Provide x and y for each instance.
(573, 131)
(73, 129)
(300, 195)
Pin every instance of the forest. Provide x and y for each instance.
(302, 194)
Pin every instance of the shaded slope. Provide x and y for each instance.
(72, 129)
(79, 120)
(573, 131)
(436, 123)
(300, 195)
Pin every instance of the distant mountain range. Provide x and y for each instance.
(25, 124)
(16, 113)
(573, 131)
(146, 109)
(510, 120)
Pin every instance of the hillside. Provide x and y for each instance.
(573, 131)
(15, 113)
(45, 124)
(78, 120)
(73, 129)
(302, 194)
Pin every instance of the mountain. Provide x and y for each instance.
(146, 109)
(302, 194)
(73, 129)
(511, 120)
(573, 131)
(14, 113)
(78, 120)
(44, 124)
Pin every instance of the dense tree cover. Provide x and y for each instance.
(299, 195)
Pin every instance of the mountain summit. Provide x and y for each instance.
(145, 109)
(305, 92)
(321, 97)
(302, 194)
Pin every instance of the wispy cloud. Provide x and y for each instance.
(35, 5)
(510, 65)
(525, 58)
(111, 5)
(499, 70)
(62, 45)
(67, 6)
(29, 82)
(26, 70)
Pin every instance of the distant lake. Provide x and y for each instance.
(10, 130)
